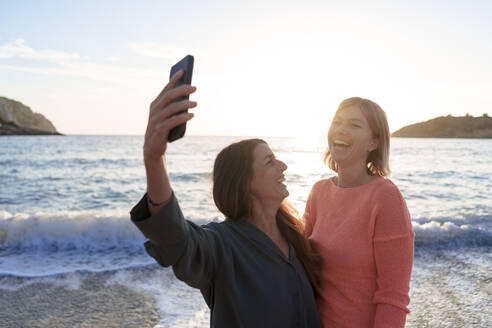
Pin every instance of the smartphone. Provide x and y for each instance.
(186, 64)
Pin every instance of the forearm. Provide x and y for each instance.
(165, 114)
(158, 186)
(394, 259)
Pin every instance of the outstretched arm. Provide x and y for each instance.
(162, 119)
(172, 240)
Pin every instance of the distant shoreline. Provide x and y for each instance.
(18, 119)
(462, 127)
(436, 137)
(12, 129)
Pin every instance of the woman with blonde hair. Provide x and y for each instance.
(359, 224)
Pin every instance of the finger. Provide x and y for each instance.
(175, 78)
(157, 116)
(170, 95)
(166, 126)
(170, 85)
(175, 108)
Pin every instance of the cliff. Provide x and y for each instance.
(18, 119)
(449, 127)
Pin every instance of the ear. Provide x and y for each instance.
(373, 145)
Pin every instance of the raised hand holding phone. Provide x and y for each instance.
(167, 111)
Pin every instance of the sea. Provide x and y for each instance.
(70, 256)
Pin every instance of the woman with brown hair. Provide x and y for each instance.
(254, 269)
(360, 225)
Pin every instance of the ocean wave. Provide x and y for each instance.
(71, 231)
(112, 230)
(452, 233)
(87, 231)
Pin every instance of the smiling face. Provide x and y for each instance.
(268, 179)
(350, 138)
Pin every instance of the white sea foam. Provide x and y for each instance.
(45, 244)
(68, 231)
(180, 305)
(472, 232)
(113, 231)
(70, 281)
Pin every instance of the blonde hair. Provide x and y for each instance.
(378, 159)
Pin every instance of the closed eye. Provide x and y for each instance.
(270, 159)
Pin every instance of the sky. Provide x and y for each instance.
(262, 68)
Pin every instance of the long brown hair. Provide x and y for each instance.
(377, 160)
(232, 175)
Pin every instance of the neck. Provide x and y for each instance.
(353, 176)
(264, 217)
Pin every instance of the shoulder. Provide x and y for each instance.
(322, 185)
(216, 227)
(223, 230)
(385, 190)
(207, 231)
(392, 215)
(390, 200)
(231, 233)
(213, 233)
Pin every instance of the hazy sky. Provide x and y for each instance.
(261, 67)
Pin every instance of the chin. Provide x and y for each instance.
(282, 196)
(285, 194)
(337, 158)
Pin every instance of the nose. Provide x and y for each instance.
(283, 166)
(340, 128)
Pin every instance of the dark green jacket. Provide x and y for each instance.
(243, 276)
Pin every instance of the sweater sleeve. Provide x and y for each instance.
(309, 216)
(393, 251)
(190, 249)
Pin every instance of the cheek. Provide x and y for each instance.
(330, 134)
(363, 137)
(257, 181)
(255, 188)
(253, 183)
(362, 148)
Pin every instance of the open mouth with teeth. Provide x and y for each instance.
(281, 181)
(340, 144)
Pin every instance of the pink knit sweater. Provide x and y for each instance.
(365, 240)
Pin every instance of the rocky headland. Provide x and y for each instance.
(449, 127)
(18, 119)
